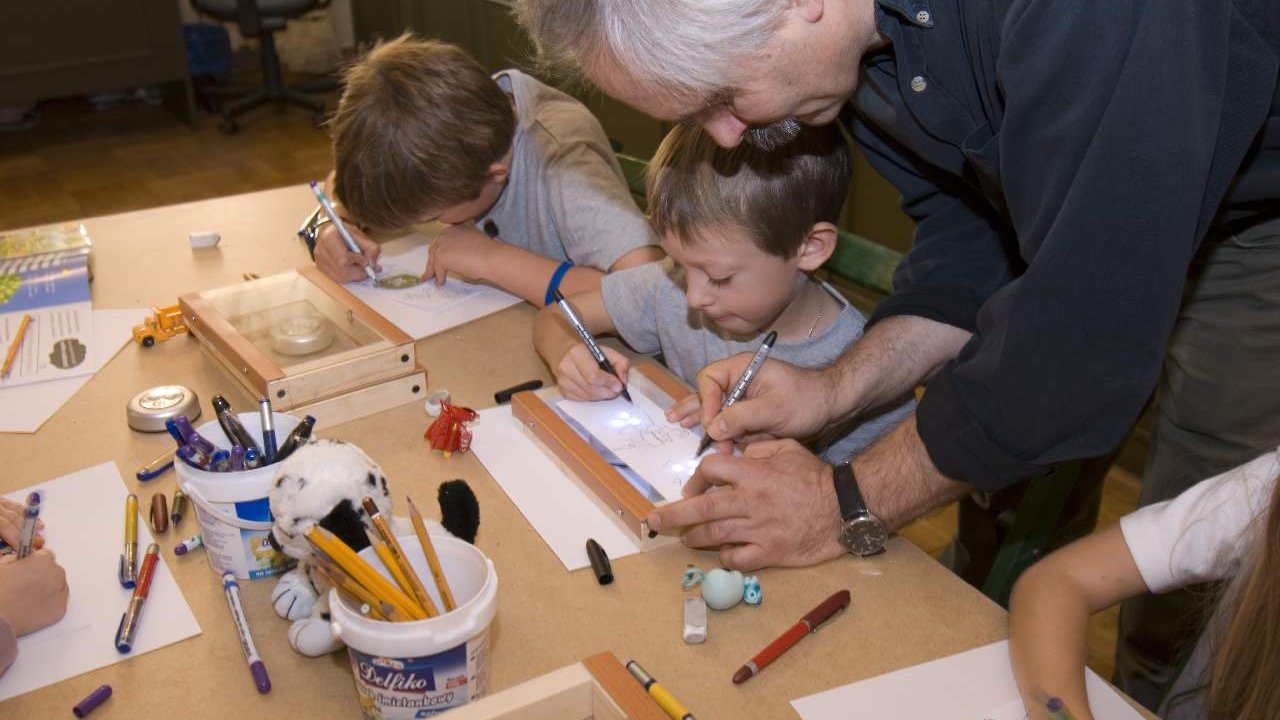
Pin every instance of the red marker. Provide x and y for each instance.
(133, 614)
(815, 618)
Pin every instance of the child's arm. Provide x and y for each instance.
(1049, 617)
(577, 373)
(639, 256)
(464, 250)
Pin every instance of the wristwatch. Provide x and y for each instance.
(861, 533)
(310, 229)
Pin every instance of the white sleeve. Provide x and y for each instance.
(1202, 534)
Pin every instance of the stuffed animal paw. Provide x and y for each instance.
(294, 595)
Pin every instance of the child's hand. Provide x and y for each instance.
(33, 592)
(460, 249)
(340, 264)
(580, 378)
(11, 516)
(685, 412)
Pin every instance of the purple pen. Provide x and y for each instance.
(237, 458)
(194, 457)
(198, 441)
(268, 432)
(256, 666)
(186, 546)
(183, 425)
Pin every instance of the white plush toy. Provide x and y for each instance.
(321, 483)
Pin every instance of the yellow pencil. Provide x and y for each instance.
(354, 593)
(14, 344)
(336, 575)
(362, 573)
(389, 561)
(419, 591)
(433, 561)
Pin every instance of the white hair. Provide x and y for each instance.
(686, 47)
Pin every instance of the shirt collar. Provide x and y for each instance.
(916, 12)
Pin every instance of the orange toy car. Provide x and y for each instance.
(162, 324)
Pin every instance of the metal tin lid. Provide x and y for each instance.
(149, 409)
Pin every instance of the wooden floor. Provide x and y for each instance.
(79, 162)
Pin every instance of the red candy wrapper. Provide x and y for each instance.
(449, 432)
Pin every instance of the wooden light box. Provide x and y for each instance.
(308, 344)
(598, 688)
(616, 496)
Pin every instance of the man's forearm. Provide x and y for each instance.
(895, 356)
(899, 481)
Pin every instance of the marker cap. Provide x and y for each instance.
(93, 700)
(599, 562)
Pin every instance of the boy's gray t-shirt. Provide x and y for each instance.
(647, 306)
(566, 198)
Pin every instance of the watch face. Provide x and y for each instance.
(863, 536)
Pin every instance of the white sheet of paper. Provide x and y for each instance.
(638, 433)
(27, 407)
(974, 685)
(425, 310)
(83, 515)
(562, 513)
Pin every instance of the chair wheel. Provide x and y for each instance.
(229, 127)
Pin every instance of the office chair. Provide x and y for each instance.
(261, 19)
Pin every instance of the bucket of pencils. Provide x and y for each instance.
(413, 668)
(231, 505)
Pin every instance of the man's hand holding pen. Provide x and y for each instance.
(754, 518)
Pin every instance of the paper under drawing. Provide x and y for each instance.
(84, 524)
(661, 452)
(424, 309)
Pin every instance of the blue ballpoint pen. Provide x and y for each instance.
(341, 227)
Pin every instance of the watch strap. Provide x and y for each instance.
(848, 495)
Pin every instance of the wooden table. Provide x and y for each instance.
(906, 608)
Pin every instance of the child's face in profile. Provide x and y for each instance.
(731, 281)
(470, 209)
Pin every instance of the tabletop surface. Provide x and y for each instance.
(906, 608)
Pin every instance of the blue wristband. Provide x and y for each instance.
(554, 285)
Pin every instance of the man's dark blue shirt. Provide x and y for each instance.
(1063, 161)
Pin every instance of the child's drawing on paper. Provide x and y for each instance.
(661, 453)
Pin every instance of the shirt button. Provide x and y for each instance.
(918, 83)
(922, 17)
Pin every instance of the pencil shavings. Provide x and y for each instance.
(449, 432)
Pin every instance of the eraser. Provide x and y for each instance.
(204, 239)
(695, 620)
(434, 400)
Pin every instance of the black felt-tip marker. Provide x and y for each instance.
(590, 341)
(599, 562)
(504, 396)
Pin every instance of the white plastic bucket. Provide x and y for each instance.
(417, 669)
(232, 507)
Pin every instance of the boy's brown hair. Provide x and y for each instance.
(776, 196)
(417, 127)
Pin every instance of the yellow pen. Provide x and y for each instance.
(669, 704)
(129, 560)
